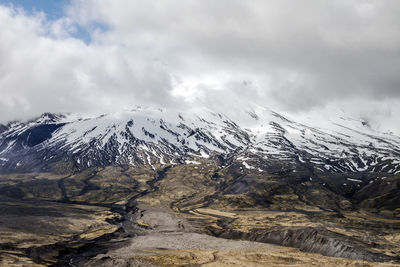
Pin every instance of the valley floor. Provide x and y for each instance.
(168, 240)
(184, 216)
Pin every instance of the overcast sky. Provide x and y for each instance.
(296, 57)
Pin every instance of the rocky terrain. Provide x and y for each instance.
(146, 136)
(154, 188)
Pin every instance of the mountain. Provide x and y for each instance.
(75, 186)
(145, 136)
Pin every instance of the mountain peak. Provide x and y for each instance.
(150, 136)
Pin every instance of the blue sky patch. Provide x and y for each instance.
(53, 9)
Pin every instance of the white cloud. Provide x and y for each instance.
(295, 56)
(40, 73)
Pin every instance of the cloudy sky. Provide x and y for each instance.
(297, 57)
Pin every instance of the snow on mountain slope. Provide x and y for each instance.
(339, 148)
(139, 136)
(146, 136)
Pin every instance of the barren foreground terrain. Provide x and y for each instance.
(190, 215)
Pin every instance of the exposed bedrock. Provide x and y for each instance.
(314, 240)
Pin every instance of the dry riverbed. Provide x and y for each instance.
(166, 239)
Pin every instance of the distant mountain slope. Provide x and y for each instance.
(146, 136)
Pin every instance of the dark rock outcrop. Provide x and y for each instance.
(314, 240)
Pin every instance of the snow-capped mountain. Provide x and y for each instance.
(152, 137)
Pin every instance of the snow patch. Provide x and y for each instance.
(192, 162)
(354, 180)
(246, 165)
